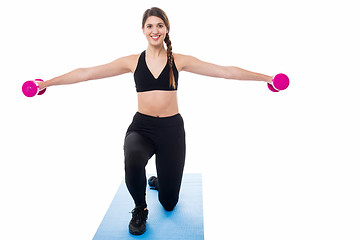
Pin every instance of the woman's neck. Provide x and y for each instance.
(155, 51)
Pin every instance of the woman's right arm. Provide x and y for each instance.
(114, 68)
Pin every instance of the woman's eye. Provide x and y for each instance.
(160, 26)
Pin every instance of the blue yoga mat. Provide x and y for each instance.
(185, 222)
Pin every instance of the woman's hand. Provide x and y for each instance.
(41, 85)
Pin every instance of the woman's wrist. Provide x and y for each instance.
(269, 79)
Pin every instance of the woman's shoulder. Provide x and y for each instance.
(133, 56)
(182, 57)
(180, 60)
(132, 61)
(178, 55)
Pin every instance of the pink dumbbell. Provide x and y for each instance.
(31, 88)
(280, 82)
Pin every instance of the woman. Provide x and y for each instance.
(157, 128)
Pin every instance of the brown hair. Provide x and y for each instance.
(157, 12)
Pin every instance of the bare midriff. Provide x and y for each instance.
(158, 103)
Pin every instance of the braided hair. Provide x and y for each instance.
(170, 59)
(157, 12)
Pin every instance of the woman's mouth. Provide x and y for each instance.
(155, 37)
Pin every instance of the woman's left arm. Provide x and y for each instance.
(194, 65)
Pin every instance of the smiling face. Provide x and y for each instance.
(155, 30)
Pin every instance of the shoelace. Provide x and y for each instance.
(138, 215)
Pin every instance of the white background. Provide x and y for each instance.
(275, 165)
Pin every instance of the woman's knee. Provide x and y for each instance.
(137, 150)
(169, 204)
(135, 157)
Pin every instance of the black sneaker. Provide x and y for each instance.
(137, 225)
(153, 183)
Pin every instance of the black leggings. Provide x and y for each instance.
(164, 137)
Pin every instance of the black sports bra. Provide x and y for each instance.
(145, 81)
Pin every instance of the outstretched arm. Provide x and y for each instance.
(194, 65)
(114, 68)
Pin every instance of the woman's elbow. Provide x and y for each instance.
(84, 74)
